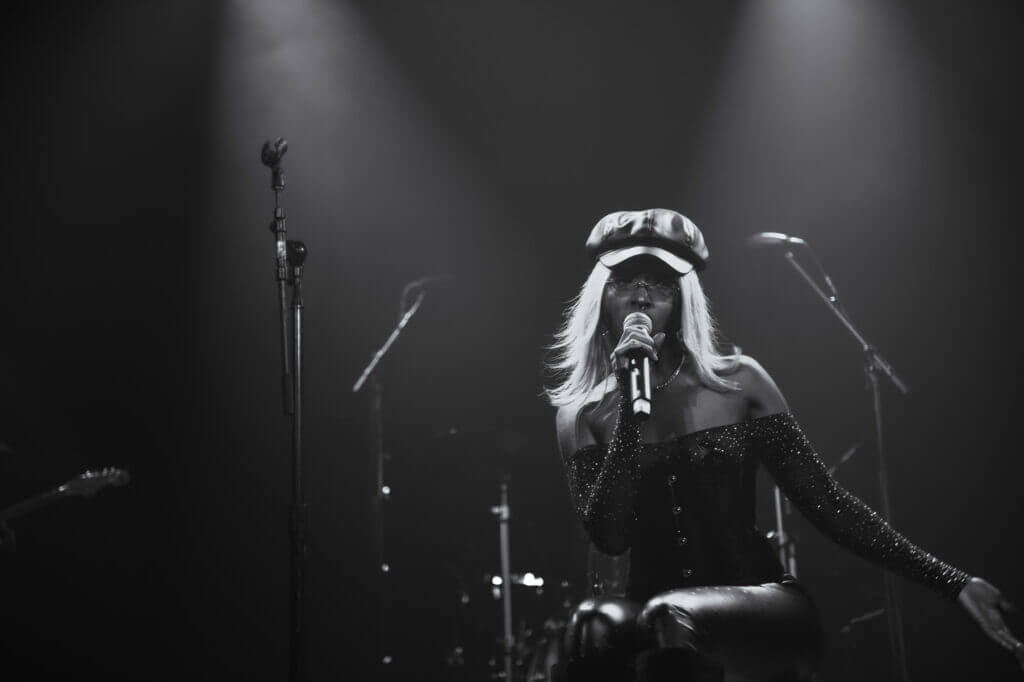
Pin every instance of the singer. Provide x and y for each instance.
(706, 594)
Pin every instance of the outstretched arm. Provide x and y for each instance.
(792, 462)
(799, 472)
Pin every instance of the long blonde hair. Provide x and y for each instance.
(581, 364)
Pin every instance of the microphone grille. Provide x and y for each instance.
(638, 320)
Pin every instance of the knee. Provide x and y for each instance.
(601, 626)
(668, 623)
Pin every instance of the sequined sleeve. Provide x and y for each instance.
(602, 483)
(788, 456)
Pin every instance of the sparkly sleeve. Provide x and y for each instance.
(602, 482)
(788, 456)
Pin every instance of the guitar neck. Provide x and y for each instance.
(31, 504)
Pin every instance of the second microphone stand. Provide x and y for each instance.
(382, 491)
(874, 365)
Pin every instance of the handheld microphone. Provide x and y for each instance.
(774, 239)
(639, 368)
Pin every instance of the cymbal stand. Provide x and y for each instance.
(784, 541)
(503, 513)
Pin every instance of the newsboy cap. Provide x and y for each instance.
(658, 232)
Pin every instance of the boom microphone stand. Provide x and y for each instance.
(874, 365)
(382, 491)
(290, 258)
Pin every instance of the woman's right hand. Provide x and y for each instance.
(636, 339)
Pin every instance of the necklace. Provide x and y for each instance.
(674, 374)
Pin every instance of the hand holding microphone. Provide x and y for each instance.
(634, 352)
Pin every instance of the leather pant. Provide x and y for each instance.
(768, 632)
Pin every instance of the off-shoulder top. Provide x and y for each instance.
(686, 506)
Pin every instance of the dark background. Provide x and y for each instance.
(481, 140)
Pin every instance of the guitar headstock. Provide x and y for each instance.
(91, 482)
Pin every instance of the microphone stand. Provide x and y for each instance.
(382, 491)
(874, 365)
(290, 258)
(298, 516)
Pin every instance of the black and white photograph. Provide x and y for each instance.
(510, 341)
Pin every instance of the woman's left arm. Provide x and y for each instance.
(794, 465)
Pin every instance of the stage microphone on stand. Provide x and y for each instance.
(639, 368)
(874, 364)
(774, 239)
(418, 284)
(779, 239)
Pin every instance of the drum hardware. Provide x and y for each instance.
(857, 620)
(785, 542)
(530, 653)
(547, 652)
(503, 513)
(523, 580)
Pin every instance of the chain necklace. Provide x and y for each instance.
(671, 378)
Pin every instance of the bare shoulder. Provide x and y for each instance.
(565, 421)
(573, 425)
(567, 429)
(758, 386)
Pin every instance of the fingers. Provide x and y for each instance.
(983, 602)
(636, 338)
(641, 334)
(996, 628)
(632, 345)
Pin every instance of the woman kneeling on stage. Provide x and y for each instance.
(706, 594)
